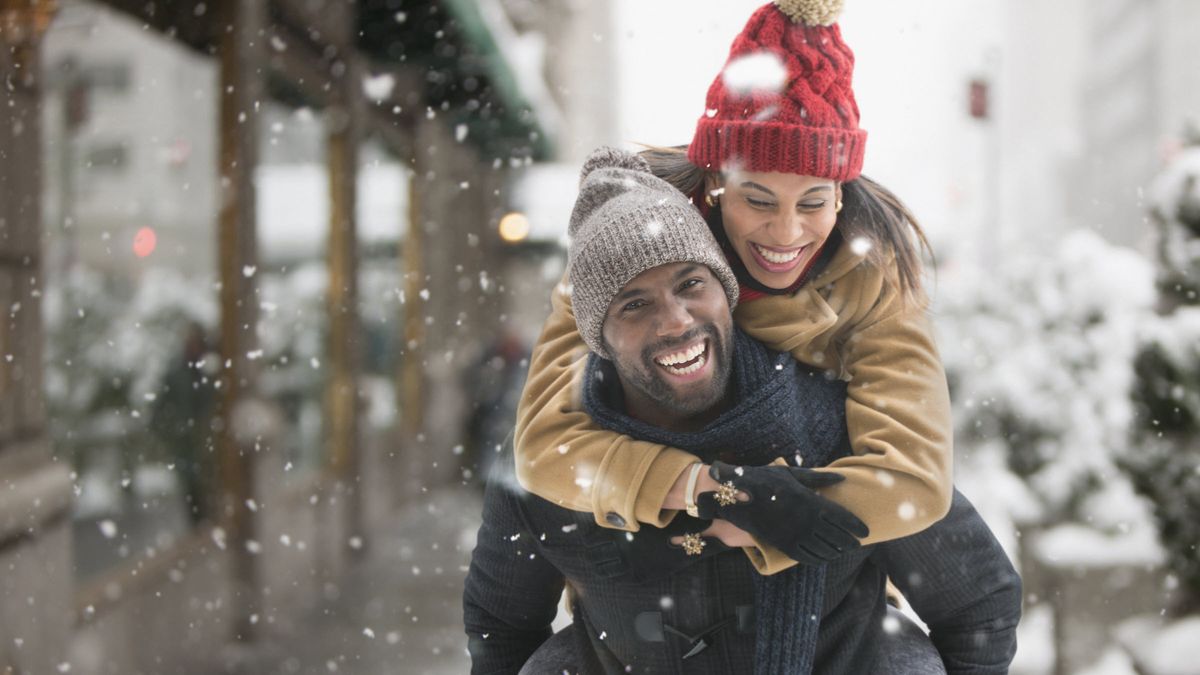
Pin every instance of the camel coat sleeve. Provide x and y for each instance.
(899, 477)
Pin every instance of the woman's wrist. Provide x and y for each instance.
(677, 497)
(705, 482)
(689, 490)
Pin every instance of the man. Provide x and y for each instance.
(652, 298)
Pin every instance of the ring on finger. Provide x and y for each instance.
(726, 494)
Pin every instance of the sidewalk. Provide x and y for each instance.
(397, 611)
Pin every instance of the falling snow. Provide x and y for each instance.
(760, 73)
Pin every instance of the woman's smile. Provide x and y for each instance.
(774, 259)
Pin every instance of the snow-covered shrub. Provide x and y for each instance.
(1039, 353)
(1175, 210)
(108, 347)
(1165, 461)
(110, 343)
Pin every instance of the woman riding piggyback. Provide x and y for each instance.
(829, 264)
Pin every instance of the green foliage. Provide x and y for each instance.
(1164, 464)
(1167, 471)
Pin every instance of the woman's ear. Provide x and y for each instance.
(712, 182)
(713, 188)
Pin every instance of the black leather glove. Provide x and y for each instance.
(785, 512)
(650, 553)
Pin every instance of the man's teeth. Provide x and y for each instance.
(688, 368)
(777, 257)
(682, 357)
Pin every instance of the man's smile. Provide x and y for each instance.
(685, 361)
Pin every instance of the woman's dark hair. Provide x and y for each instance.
(869, 210)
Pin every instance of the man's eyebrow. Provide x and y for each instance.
(636, 291)
(690, 269)
(629, 293)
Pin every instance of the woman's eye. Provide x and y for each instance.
(758, 203)
(811, 206)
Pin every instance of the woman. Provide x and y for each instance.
(830, 270)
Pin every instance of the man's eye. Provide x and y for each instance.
(634, 305)
(690, 283)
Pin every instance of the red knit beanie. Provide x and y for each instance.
(806, 125)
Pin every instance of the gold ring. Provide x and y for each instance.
(693, 543)
(726, 494)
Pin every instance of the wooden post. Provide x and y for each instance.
(412, 410)
(242, 64)
(22, 408)
(35, 519)
(341, 389)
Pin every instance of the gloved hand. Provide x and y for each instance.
(650, 553)
(784, 511)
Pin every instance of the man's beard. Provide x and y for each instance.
(648, 377)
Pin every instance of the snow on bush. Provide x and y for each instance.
(1174, 198)
(1165, 464)
(1040, 356)
(108, 347)
(1161, 648)
(109, 344)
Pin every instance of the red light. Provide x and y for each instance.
(978, 99)
(144, 242)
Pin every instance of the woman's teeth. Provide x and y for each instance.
(684, 362)
(775, 256)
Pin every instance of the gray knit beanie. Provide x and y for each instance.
(626, 221)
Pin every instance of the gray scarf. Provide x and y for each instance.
(781, 409)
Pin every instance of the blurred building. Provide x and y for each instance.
(574, 42)
(1076, 106)
(1092, 98)
(370, 139)
(1142, 86)
(132, 123)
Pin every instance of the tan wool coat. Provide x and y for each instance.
(898, 479)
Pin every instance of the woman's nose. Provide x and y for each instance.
(789, 227)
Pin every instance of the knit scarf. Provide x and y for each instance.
(781, 409)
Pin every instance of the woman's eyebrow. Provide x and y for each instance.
(756, 186)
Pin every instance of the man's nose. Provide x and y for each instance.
(675, 318)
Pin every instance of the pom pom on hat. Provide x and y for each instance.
(811, 12)
(608, 157)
